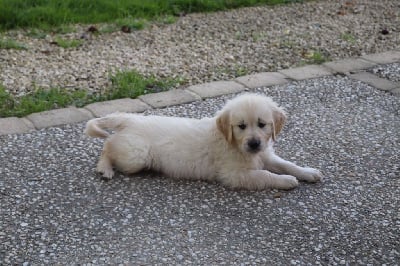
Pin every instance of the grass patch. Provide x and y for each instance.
(38, 101)
(131, 23)
(36, 33)
(257, 36)
(47, 14)
(315, 57)
(64, 43)
(108, 28)
(63, 29)
(240, 71)
(348, 37)
(236, 71)
(167, 19)
(130, 84)
(11, 44)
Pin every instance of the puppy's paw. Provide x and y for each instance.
(107, 172)
(104, 166)
(286, 182)
(310, 175)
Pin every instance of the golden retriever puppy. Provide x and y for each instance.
(234, 147)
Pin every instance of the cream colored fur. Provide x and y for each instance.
(234, 147)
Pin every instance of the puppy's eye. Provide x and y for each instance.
(261, 125)
(242, 126)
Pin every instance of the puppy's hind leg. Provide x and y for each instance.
(104, 166)
(123, 154)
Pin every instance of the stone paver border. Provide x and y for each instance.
(127, 105)
(375, 81)
(217, 88)
(349, 65)
(262, 79)
(306, 72)
(352, 67)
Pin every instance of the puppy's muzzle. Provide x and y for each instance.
(254, 145)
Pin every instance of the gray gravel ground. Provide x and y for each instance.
(56, 210)
(389, 71)
(206, 47)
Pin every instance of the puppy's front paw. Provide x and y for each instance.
(310, 175)
(286, 182)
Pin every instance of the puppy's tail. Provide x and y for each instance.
(96, 127)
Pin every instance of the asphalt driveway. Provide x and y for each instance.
(56, 210)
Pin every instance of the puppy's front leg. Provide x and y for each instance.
(276, 164)
(259, 179)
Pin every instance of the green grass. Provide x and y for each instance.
(236, 70)
(317, 58)
(38, 101)
(64, 43)
(108, 28)
(6, 43)
(348, 37)
(129, 84)
(258, 36)
(36, 33)
(132, 23)
(314, 57)
(167, 19)
(49, 14)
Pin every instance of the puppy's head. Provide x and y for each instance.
(249, 121)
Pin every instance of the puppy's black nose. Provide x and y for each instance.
(254, 144)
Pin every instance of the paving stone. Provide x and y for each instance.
(217, 88)
(121, 105)
(384, 58)
(349, 65)
(58, 117)
(168, 98)
(262, 79)
(375, 81)
(306, 72)
(15, 125)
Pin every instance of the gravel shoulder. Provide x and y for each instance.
(56, 209)
(207, 47)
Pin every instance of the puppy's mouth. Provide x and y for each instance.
(254, 146)
(253, 151)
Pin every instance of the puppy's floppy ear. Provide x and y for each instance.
(279, 118)
(224, 125)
